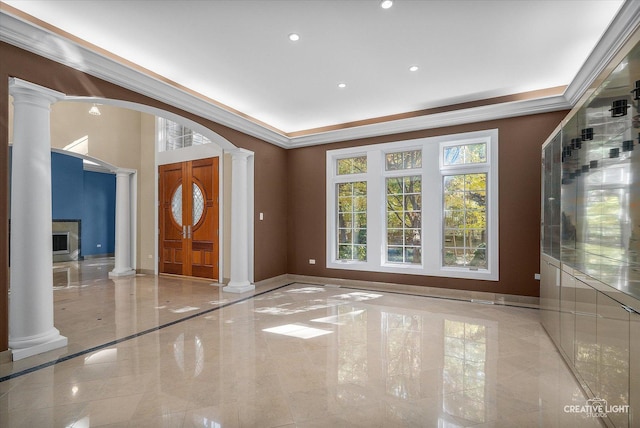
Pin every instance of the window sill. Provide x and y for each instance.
(461, 273)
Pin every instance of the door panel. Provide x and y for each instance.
(189, 218)
(204, 232)
(171, 239)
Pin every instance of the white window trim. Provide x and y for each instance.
(332, 170)
(432, 200)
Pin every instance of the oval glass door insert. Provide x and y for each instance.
(176, 205)
(198, 203)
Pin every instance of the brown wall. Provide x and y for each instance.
(520, 141)
(290, 188)
(270, 161)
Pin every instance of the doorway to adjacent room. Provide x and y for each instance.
(188, 218)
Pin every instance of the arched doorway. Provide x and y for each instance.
(34, 340)
(144, 252)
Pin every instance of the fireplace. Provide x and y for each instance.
(65, 240)
(60, 243)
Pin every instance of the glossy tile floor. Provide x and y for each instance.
(165, 352)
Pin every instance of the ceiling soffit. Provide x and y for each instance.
(30, 34)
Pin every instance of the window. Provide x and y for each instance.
(465, 170)
(352, 165)
(465, 154)
(465, 219)
(350, 214)
(352, 220)
(425, 207)
(403, 207)
(174, 136)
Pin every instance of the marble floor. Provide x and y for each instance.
(153, 351)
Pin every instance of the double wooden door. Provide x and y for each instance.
(188, 218)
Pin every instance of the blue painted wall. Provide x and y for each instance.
(88, 196)
(67, 194)
(99, 213)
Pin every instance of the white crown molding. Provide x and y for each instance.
(623, 25)
(30, 37)
(37, 40)
(437, 120)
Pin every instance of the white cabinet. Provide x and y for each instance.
(550, 296)
(568, 315)
(586, 347)
(613, 357)
(589, 238)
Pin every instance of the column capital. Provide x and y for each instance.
(19, 87)
(124, 171)
(240, 153)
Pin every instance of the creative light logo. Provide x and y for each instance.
(597, 408)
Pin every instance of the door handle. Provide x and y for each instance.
(189, 232)
(184, 232)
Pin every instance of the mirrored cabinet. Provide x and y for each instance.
(590, 239)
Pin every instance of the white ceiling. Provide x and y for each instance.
(238, 52)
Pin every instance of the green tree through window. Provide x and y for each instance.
(465, 220)
(352, 220)
(404, 208)
(426, 206)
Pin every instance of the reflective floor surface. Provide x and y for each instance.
(167, 352)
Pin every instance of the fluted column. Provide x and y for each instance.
(239, 278)
(31, 329)
(122, 265)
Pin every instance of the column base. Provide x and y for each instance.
(19, 354)
(119, 274)
(239, 287)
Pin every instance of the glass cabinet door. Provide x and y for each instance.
(607, 186)
(569, 190)
(551, 197)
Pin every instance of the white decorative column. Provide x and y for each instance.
(31, 329)
(123, 226)
(240, 255)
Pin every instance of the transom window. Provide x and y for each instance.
(465, 154)
(403, 160)
(353, 165)
(174, 136)
(426, 206)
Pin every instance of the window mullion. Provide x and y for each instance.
(432, 215)
(375, 208)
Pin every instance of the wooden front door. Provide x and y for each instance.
(188, 218)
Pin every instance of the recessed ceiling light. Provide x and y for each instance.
(294, 37)
(342, 85)
(413, 68)
(386, 4)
